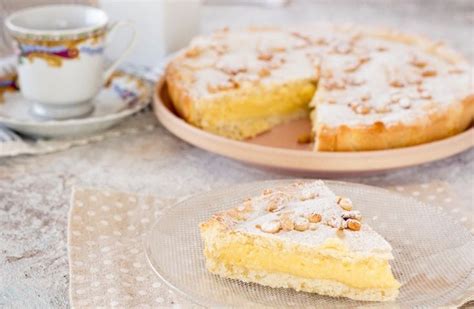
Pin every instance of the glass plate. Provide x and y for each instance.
(433, 254)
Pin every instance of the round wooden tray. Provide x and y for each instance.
(279, 148)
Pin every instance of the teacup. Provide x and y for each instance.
(60, 51)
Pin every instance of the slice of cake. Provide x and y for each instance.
(304, 237)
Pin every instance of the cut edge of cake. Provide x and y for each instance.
(200, 112)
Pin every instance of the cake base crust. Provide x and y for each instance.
(277, 280)
(434, 127)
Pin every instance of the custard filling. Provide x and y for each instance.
(363, 274)
(255, 103)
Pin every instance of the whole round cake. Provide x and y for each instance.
(363, 88)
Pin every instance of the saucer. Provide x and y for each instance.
(123, 95)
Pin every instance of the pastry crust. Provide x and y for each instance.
(221, 77)
(437, 121)
(432, 127)
(278, 280)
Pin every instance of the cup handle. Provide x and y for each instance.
(7, 44)
(110, 34)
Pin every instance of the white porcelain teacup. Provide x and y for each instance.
(60, 52)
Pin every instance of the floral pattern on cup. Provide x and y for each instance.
(62, 46)
(54, 52)
(8, 83)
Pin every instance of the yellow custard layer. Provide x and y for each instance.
(367, 273)
(253, 110)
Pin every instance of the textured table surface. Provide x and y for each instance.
(35, 190)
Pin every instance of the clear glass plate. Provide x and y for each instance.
(433, 254)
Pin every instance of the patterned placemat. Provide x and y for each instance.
(108, 266)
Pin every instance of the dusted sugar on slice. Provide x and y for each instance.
(304, 237)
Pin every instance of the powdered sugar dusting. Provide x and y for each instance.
(359, 71)
(395, 90)
(299, 201)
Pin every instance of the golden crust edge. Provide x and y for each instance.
(378, 136)
(318, 286)
(180, 96)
